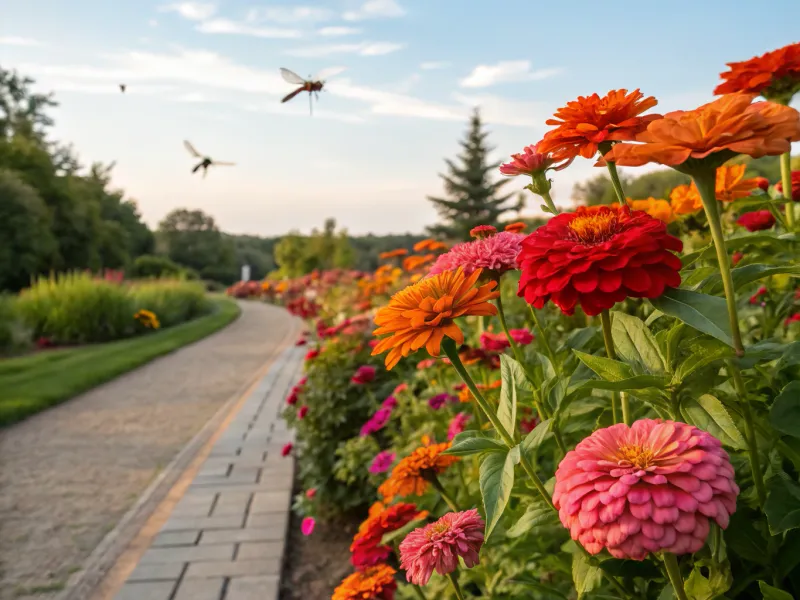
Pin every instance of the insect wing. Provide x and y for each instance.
(192, 149)
(292, 77)
(328, 73)
(223, 164)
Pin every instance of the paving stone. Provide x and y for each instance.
(233, 568)
(224, 479)
(253, 588)
(200, 589)
(275, 519)
(234, 503)
(259, 550)
(190, 510)
(160, 590)
(176, 538)
(223, 522)
(270, 502)
(157, 571)
(187, 554)
(253, 534)
(265, 485)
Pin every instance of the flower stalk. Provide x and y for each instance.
(786, 184)
(605, 319)
(437, 485)
(674, 574)
(750, 434)
(453, 577)
(543, 336)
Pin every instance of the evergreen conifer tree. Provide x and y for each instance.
(472, 192)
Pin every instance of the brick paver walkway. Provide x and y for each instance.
(224, 540)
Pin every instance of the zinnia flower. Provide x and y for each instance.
(523, 337)
(366, 548)
(756, 298)
(429, 245)
(382, 462)
(596, 257)
(516, 227)
(730, 184)
(393, 254)
(390, 402)
(532, 162)
(795, 318)
(736, 258)
(312, 354)
(438, 546)
(482, 231)
(655, 207)
(725, 127)
(287, 449)
(494, 342)
(585, 123)
(307, 526)
(496, 253)
(292, 398)
(414, 262)
(457, 425)
(439, 400)
(301, 414)
(310, 493)
(426, 363)
(301, 342)
(410, 476)
(377, 422)
(423, 313)
(401, 387)
(795, 186)
(763, 183)
(756, 220)
(363, 375)
(375, 583)
(774, 75)
(651, 487)
(685, 199)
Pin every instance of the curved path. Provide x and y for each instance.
(69, 474)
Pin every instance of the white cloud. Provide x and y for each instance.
(226, 26)
(286, 14)
(500, 111)
(362, 49)
(194, 11)
(372, 9)
(153, 23)
(19, 41)
(338, 31)
(504, 72)
(300, 109)
(434, 64)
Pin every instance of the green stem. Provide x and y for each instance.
(512, 342)
(605, 319)
(418, 592)
(786, 183)
(674, 573)
(443, 493)
(549, 202)
(453, 577)
(449, 348)
(543, 336)
(706, 185)
(537, 483)
(749, 431)
(612, 170)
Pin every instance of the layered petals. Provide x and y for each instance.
(775, 74)
(410, 476)
(375, 583)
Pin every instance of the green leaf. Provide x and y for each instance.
(734, 243)
(708, 314)
(608, 369)
(584, 575)
(400, 533)
(475, 445)
(701, 353)
(536, 515)
(783, 505)
(785, 412)
(496, 481)
(634, 342)
(719, 581)
(747, 274)
(517, 371)
(773, 593)
(530, 581)
(507, 409)
(535, 438)
(638, 382)
(709, 414)
(578, 339)
(619, 567)
(745, 540)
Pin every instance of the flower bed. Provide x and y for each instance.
(603, 408)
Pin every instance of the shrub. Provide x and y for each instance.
(77, 308)
(150, 266)
(13, 335)
(173, 301)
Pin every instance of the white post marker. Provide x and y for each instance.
(245, 272)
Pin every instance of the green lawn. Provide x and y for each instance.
(32, 383)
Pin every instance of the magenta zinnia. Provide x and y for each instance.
(496, 253)
(652, 487)
(437, 546)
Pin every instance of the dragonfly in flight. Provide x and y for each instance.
(205, 161)
(312, 85)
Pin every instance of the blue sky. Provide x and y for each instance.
(409, 72)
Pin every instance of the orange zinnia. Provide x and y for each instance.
(412, 475)
(655, 207)
(725, 127)
(429, 245)
(375, 583)
(516, 227)
(685, 199)
(423, 314)
(775, 75)
(393, 254)
(730, 186)
(414, 262)
(590, 120)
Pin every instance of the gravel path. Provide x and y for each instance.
(67, 475)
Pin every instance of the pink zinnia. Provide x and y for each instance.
(287, 449)
(651, 487)
(426, 363)
(307, 526)
(522, 336)
(390, 402)
(457, 425)
(301, 414)
(497, 253)
(402, 387)
(377, 422)
(382, 462)
(531, 162)
(439, 400)
(364, 374)
(756, 220)
(438, 545)
(494, 342)
(292, 398)
(312, 354)
(311, 492)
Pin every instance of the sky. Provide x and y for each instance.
(403, 77)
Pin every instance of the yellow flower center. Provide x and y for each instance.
(437, 529)
(638, 456)
(593, 228)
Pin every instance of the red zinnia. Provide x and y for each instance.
(532, 162)
(763, 183)
(363, 375)
(596, 257)
(301, 414)
(287, 449)
(774, 75)
(312, 354)
(366, 547)
(795, 186)
(756, 220)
